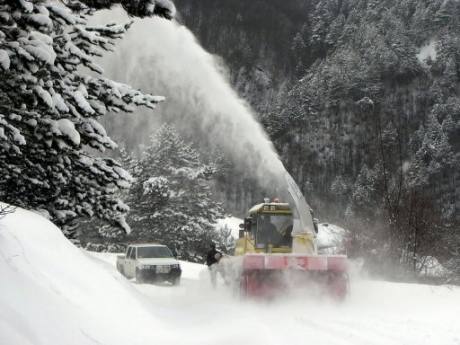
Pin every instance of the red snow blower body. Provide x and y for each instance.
(278, 248)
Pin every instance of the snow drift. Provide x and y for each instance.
(53, 293)
(331, 238)
(231, 224)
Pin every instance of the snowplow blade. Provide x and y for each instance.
(271, 275)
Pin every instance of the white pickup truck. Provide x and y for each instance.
(149, 263)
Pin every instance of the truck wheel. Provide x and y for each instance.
(176, 281)
(121, 270)
(138, 277)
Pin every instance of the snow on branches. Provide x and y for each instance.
(138, 8)
(50, 105)
(171, 200)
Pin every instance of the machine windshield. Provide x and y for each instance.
(274, 229)
(153, 252)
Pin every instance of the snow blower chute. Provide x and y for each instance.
(278, 247)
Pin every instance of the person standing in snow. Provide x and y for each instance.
(212, 259)
(175, 251)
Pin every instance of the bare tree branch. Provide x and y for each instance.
(6, 209)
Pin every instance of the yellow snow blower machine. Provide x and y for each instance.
(277, 244)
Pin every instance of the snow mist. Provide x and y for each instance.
(164, 57)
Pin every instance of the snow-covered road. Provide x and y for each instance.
(376, 312)
(53, 293)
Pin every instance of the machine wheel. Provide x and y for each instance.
(244, 285)
(176, 281)
(338, 285)
(250, 284)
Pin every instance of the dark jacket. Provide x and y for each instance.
(211, 257)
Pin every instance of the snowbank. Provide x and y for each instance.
(331, 238)
(53, 293)
(430, 267)
(231, 223)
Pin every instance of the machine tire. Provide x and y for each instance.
(244, 285)
(339, 286)
(176, 281)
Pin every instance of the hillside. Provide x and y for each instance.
(361, 101)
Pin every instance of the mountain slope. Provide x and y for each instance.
(368, 118)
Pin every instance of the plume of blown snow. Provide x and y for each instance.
(163, 56)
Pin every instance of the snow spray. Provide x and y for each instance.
(163, 56)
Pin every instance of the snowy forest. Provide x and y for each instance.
(290, 166)
(359, 97)
(361, 101)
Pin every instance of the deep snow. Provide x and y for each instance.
(231, 223)
(55, 293)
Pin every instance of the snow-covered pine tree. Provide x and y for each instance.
(171, 199)
(50, 105)
(433, 157)
(126, 159)
(95, 234)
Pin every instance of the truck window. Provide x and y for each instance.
(274, 229)
(133, 253)
(154, 252)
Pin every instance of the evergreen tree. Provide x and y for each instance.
(171, 199)
(50, 106)
(433, 157)
(95, 234)
(363, 195)
(372, 81)
(340, 190)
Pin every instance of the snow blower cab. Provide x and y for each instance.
(267, 229)
(279, 253)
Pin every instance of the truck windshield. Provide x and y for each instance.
(274, 229)
(153, 252)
